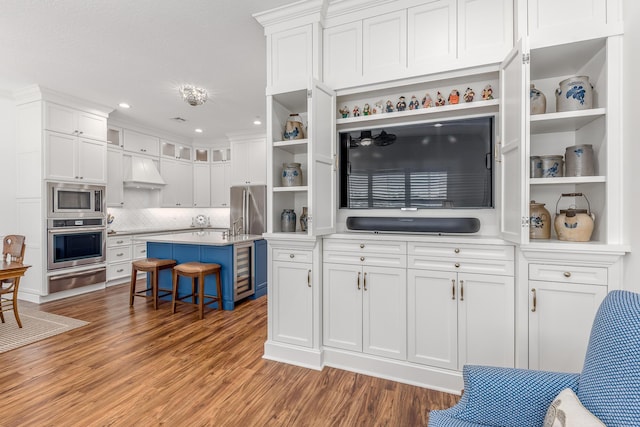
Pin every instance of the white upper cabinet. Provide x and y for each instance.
(115, 176)
(220, 183)
(175, 150)
(141, 143)
(552, 22)
(342, 54)
(179, 178)
(248, 164)
(70, 121)
(291, 58)
(384, 50)
(432, 36)
(70, 158)
(485, 31)
(201, 186)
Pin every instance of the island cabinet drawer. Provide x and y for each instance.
(466, 265)
(118, 270)
(119, 253)
(139, 250)
(568, 274)
(370, 259)
(365, 246)
(292, 255)
(452, 251)
(118, 241)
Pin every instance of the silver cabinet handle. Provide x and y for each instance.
(461, 290)
(361, 258)
(365, 281)
(361, 245)
(457, 265)
(358, 280)
(453, 289)
(120, 254)
(291, 255)
(456, 250)
(535, 300)
(309, 278)
(567, 274)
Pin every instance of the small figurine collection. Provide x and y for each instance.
(380, 107)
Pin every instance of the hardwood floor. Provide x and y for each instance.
(151, 368)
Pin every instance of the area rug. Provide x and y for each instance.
(36, 325)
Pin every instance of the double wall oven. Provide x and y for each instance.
(76, 235)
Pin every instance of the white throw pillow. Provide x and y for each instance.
(567, 411)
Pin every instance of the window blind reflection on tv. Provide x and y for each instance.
(447, 164)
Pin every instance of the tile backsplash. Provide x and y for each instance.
(127, 219)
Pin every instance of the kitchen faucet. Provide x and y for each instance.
(237, 226)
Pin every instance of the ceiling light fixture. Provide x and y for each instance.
(193, 95)
(124, 105)
(198, 130)
(257, 121)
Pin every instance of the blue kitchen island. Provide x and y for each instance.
(230, 252)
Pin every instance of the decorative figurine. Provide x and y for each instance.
(344, 111)
(440, 101)
(389, 108)
(469, 94)
(414, 104)
(427, 101)
(356, 111)
(366, 110)
(378, 107)
(487, 93)
(401, 105)
(454, 97)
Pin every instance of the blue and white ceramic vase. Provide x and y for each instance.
(574, 93)
(291, 174)
(293, 129)
(303, 219)
(288, 221)
(537, 100)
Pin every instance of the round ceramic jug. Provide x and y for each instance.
(574, 225)
(288, 221)
(552, 166)
(538, 102)
(574, 93)
(539, 221)
(291, 174)
(293, 129)
(579, 160)
(535, 170)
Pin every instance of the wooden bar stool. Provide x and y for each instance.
(197, 271)
(153, 267)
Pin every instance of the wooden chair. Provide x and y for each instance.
(197, 272)
(153, 267)
(13, 245)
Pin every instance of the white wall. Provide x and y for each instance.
(631, 138)
(8, 216)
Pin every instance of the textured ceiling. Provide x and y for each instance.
(140, 51)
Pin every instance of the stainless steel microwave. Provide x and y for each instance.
(66, 200)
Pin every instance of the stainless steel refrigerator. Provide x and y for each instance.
(249, 209)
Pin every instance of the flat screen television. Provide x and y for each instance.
(446, 164)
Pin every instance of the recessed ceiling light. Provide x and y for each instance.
(124, 105)
(199, 130)
(257, 121)
(437, 125)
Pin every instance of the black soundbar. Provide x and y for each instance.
(413, 224)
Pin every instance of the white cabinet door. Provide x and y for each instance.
(431, 36)
(60, 157)
(432, 317)
(560, 320)
(514, 127)
(384, 314)
(201, 186)
(342, 54)
(179, 178)
(485, 30)
(70, 121)
(141, 143)
(292, 300)
(115, 176)
(92, 126)
(220, 184)
(291, 54)
(342, 306)
(248, 162)
(92, 161)
(486, 316)
(321, 179)
(384, 40)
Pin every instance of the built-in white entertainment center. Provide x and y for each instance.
(416, 184)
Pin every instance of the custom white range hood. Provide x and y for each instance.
(141, 172)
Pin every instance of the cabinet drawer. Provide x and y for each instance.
(294, 255)
(497, 267)
(568, 274)
(117, 254)
(118, 241)
(365, 246)
(452, 251)
(118, 270)
(139, 250)
(370, 259)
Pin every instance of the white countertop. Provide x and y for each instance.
(213, 238)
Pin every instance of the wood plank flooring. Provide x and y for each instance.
(140, 367)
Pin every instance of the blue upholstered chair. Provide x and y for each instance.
(608, 386)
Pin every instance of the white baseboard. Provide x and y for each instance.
(293, 355)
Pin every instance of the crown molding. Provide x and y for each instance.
(292, 15)
(35, 93)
